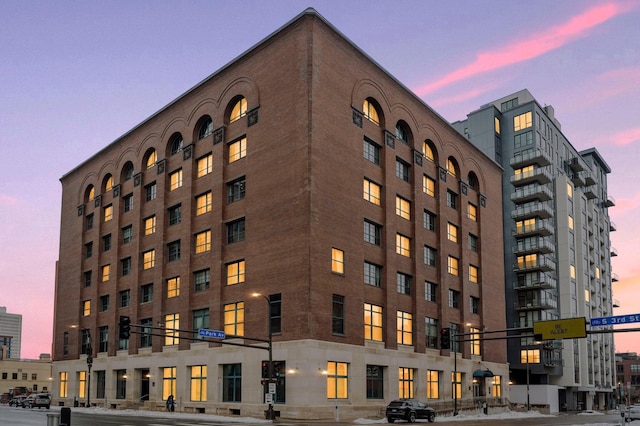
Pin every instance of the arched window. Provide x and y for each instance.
(472, 179)
(403, 132)
(205, 128)
(90, 194)
(239, 110)
(176, 143)
(127, 171)
(428, 150)
(452, 167)
(108, 183)
(370, 111)
(152, 158)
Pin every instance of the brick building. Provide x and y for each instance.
(304, 172)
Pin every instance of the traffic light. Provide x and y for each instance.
(124, 327)
(445, 338)
(265, 369)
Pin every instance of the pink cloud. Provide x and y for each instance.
(626, 137)
(7, 200)
(627, 204)
(523, 50)
(461, 97)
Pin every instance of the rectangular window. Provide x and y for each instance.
(375, 382)
(403, 283)
(337, 380)
(474, 305)
(148, 259)
(275, 313)
(511, 103)
(169, 380)
(337, 314)
(452, 265)
(430, 291)
(403, 208)
(235, 272)
(403, 245)
(404, 328)
(522, 121)
(175, 215)
(124, 298)
(433, 384)
(452, 199)
(235, 231)
(405, 382)
(496, 125)
(496, 389)
(237, 150)
(371, 151)
(146, 293)
(202, 279)
(372, 232)
(87, 278)
(203, 203)
(106, 273)
(125, 266)
(173, 287)
(127, 234)
(108, 213)
(472, 212)
(88, 250)
(145, 330)
(232, 383)
(456, 384)
(106, 242)
(172, 324)
(198, 387)
(150, 225)
(454, 298)
(337, 261)
(150, 192)
(473, 243)
(89, 221)
(371, 192)
(104, 303)
(203, 242)
(234, 319)
(431, 331)
(452, 232)
(429, 186)
(372, 274)
(475, 341)
(127, 202)
(473, 274)
(82, 384)
(204, 165)
(523, 139)
(86, 308)
(429, 220)
(200, 318)
(430, 256)
(64, 384)
(402, 170)
(103, 339)
(236, 190)
(373, 322)
(173, 251)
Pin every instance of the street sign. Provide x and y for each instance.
(272, 388)
(568, 328)
(214, 334)
(618, 319)
(268, 398)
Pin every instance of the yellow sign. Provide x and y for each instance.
(569, 328)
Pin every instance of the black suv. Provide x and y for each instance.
(409, 410)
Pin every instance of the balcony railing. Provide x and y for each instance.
(575, 164)
(610, 201)
(540, 227)
(614, 252)
(612, 226)
(534, 209)
(537, 156)
(531, 192)
(542, 281)
(540, 263)
(590, 192)
(539, 245)
(538, 174)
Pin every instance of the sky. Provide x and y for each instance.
(76, 75)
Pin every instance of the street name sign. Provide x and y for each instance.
(618, 319)
(569, 328)
(213, 334)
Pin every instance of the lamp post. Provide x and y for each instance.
(269, 415)
(89, 364)
(527, 379)
(455, 372)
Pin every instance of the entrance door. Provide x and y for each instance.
(144, 385)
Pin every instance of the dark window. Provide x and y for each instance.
(202, 279)
(88, 250)
(235, 231)
(402, 170)
(337, 315)
(106, 242)
(146, 293)
(473, 242)
(430, 291)
(124, 298)
(150, 192)
(232, 382)
(173, 251)
(206, 128)
(429, 220)
(375, 382)
(275, 313)
(404, 283)
(128, 171)
(431, 331)
(201, 318)
(429, 256)
(125, 266)
(127, 234)
(235, 190)
(175, 215)
(371, 151)
(87, 278)
(454, 299)
(89, 221)
(372, 274)
(474, 305)
(452, 199)
(176, 143)
(372, 232)
(104, 303)
(145, 330)
(128, 202)
(103, 338)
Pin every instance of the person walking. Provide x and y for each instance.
(171, 404)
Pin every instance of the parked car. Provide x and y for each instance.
(28, 401)
(16, 401)
(42, 400)
(409, 410)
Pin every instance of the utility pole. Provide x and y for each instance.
(89, 364)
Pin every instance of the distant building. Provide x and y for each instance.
(306, 173)
(10, 334)
(557, 249)
(25, 375)
(628, 377)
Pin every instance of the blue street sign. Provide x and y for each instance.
(214, 334)
(618, 319)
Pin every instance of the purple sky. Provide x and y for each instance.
(74, 76)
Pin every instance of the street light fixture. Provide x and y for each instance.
(89, 364)
(269, 415)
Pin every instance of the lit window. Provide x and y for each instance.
(108, 213)
(337, 380)
(403, 208)
(371, 151)
(234, 319)
(451, 167)
(472, 212)
(569, 190)
(198, 383)
(371, 192)
(204, 165)
(403, 245)
(473, 274)
(148, 259)
(235, 272)
(168, 380)
(203, 203)
(64, 384)
(452, 265)
(151, 159)
(108, 186)
(522, 121)
(587, 295)
(337, 261)
(452, 232)
(237, 150)
(433, 384)
(405, 382)
(203, 242)
(597, 272)
(572, 271)
(496, 389)
(570, 219)
(173, 287)
(92, 193)
(475, 340)
(175, 180)
(86, 308)
(370, 112)
(239, 110)
(527, 261)
(404, 328)
(428, 186)
(171, 334)
(427, 151)
(150, 225)
(372, 322)
(530, 356)
(496, 125)
(106, 272)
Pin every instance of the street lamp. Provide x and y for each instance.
(89, 364)
(269, 415)
(455, 370)
(528, 404)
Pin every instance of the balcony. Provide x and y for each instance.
(610, 201)
(538, 174)
(530, 210)
(531, 192)
(615, 303)
(590, 192)
(577, 178)
(538, 157)
(540, 227)
(535, 305)
(588, 179)
(575, 164)
(542, 281)
(539, 245)
(614, 277)
(539, 263)
(614, 252)
(612, 227)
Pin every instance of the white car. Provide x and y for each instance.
(632, 412)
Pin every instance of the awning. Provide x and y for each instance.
(483, 373)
